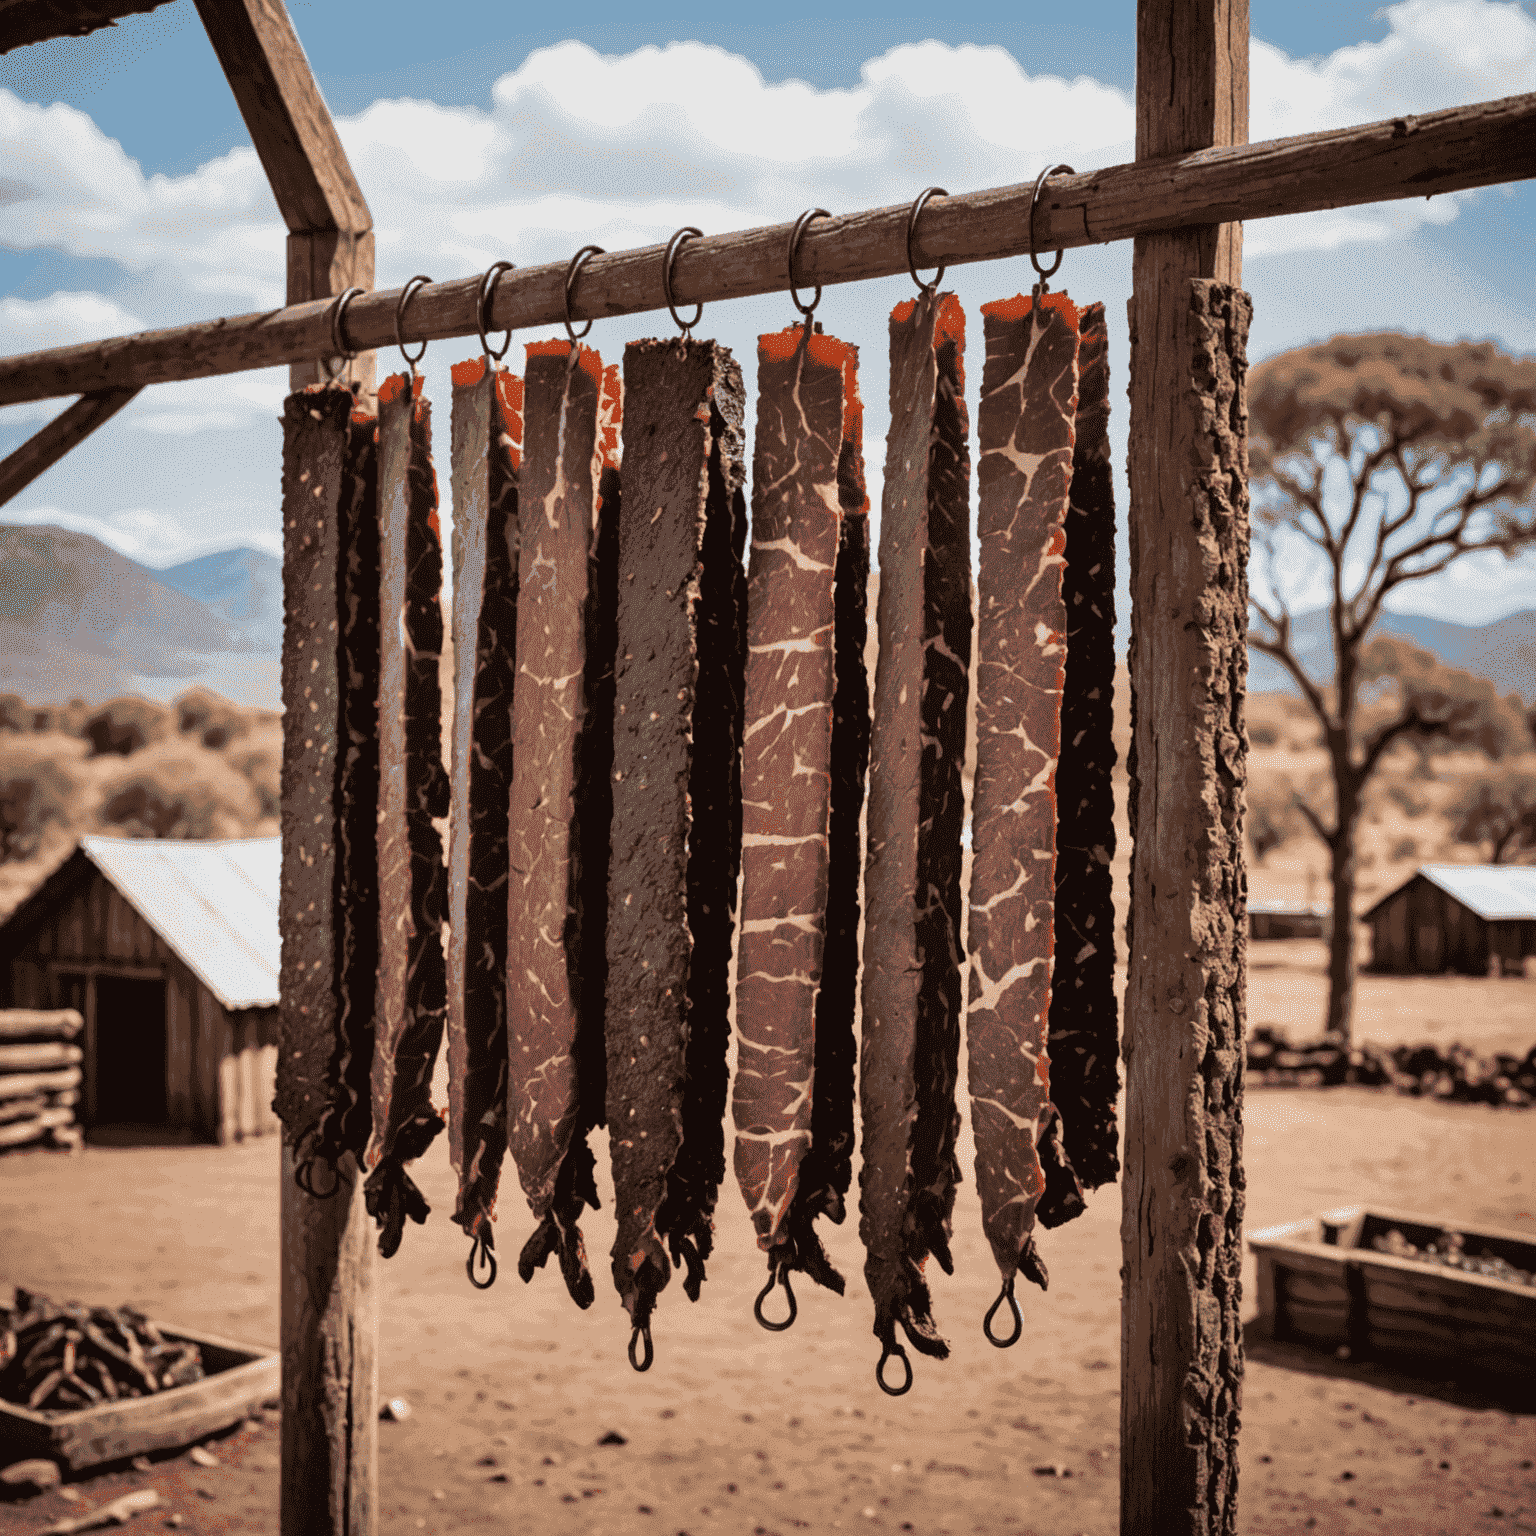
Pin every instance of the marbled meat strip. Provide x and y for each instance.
(911, 993)
(1085, 1036)
(487, 458)
(1024, 431)
(804, 385)
(562, 799)
(676, 806)
(412, 998)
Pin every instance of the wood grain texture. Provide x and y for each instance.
(35, 21)
(40, 1023)
(1422, 156)
(44, 449)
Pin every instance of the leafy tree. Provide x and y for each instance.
(1500, 812)
(1379, 461)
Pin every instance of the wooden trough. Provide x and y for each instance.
(1321, 1283)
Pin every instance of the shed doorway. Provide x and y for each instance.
(130, 1051)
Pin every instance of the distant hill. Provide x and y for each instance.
(243, 586)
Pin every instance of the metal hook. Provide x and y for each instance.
(406, 295)
(304, 1175)
(1050, 271)
(483, 309)
(805, 309)
(776, 1273)
(339, 348)
(642, 1332)
(482, 1254)
(1006, 1294)
(938, 277)
(673, 245)
(578, 261)
(893, 1350)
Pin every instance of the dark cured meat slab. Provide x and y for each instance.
(562, 795)
(487, 457)
(412, 998)
(326, 1022)
(1085, 1037)
(911, 1027)
(807, 395)
(1024, 429)
(676, 806)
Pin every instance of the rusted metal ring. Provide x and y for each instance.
(1040, 181)
(894, 1350)
(483, 308)
(687, 232)
(642, 1333)
(578, 261)
(1006, 1294)
(805, 309)
(776, 1273)
(482, 1254)
(919, 203)
(339, 347)
(406, 295)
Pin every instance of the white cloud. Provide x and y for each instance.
(30, 325)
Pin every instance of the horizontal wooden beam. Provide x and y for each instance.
(36, 21)
(1440, 152)
(43, 450)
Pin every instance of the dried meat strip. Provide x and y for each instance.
(487, 458)
(1084, 1036)
(676, 809)
(562, 795)
(808, 410)
(911, 994)
(330, 776)
(1024, 469)
(412, 997)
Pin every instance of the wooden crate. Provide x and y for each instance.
(1321, 1283)
(240, 1379)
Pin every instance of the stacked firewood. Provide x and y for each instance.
(39, 1077)
(57, 1358)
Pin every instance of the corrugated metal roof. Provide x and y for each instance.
(215, 904)
(1496, 892)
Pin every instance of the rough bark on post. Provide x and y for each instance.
(1181, 1227)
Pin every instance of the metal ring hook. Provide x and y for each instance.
(481, 1254)
(1006, 1294)
(1040, 181)
(776, 1273)
(483, 308)
(894, 1350)
(406, 295)
(339, 348)
(805, 309)
(642, 1332)
(304, 1177)
(578, 261)
(673, 245)
(938, 277)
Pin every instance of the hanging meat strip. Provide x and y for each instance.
(676, 809)
(808, 410)
(916, 811)
(1024, 429)
(1085, 1045)
(562, 795)
(487, 458)
(412, 881)
(330, 776)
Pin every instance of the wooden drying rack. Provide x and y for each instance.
(1194, 177)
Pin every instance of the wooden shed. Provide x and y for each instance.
(170, 951)
(1470, 918)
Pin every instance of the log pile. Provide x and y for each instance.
(39, 1078)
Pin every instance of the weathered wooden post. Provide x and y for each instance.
(1185, 1010)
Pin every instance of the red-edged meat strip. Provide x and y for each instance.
(676, 807)
(1085, 1036)
(911, 987)
(487, 459)
(1024, 429)
(412, 998)
(562, 797)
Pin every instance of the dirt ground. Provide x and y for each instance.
(742, 1432)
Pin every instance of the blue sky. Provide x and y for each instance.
(137, 202)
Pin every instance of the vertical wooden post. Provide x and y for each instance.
(1181, 1226)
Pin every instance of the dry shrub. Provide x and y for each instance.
(176, 789)
(260, 758)
(15, 713)
(126, 726)
(211, 718)
(39, 791)
(68, 718)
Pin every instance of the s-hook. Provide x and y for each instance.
(1042, 286)
(777, 1272)
(340, 351)
(1006, 1294)
(572, 272)
(687, 232)
(918, 204)
(483, 308)
(806, 310)
(481, 1256)
(406, 295)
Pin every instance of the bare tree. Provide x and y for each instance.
(1500, 812)
(1379, 460)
